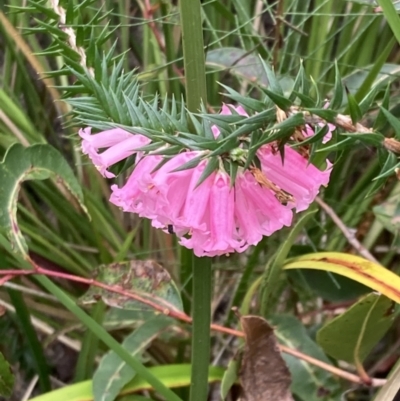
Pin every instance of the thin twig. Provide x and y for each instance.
(30, 388)
(353, 241)
(72, 42)
(169, 310)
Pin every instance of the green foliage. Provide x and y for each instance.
(124, 68)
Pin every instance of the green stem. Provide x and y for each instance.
(193, 54)
(186, 275)
(391, 16)
(196, 95)
(201, 312)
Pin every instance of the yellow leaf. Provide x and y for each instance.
(354, 267)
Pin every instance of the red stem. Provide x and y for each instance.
(171, 311)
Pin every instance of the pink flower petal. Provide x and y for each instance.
(294, 175)
(132, 197)
(121, 144)
(105, 139)
(258, 211)
(194, 214)
(223, 238)
(170, 188)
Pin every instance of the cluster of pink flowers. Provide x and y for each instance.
(213, 218)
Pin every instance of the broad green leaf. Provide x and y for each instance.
(359, 269)
(171, 376)
(144, 278)
(309, 382)
(239, 62)
(37, 162)
(352, 335)
(6, 378)
(112, 373)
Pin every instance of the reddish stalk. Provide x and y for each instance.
(176, 314)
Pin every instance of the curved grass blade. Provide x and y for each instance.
(37, 162)
(172, 376)
(354, 267)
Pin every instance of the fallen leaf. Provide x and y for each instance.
(144, 278)
(264, 375)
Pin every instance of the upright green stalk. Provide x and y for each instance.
(193, 53)
(196, 93)
(201, 312)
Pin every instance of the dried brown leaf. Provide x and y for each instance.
(264, 375)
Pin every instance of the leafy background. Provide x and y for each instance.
(314, 311)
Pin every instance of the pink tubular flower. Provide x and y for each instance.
(120, 144)
(294, 174)
(214, 217)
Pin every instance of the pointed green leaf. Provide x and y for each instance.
(306, 101)
(337, 98)
(250, 103)
(281, 101)
(368, 100)
(381, 119)
(212, 165)
(190, 164)
(354, 108)
(274, 85)
(326, 114)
